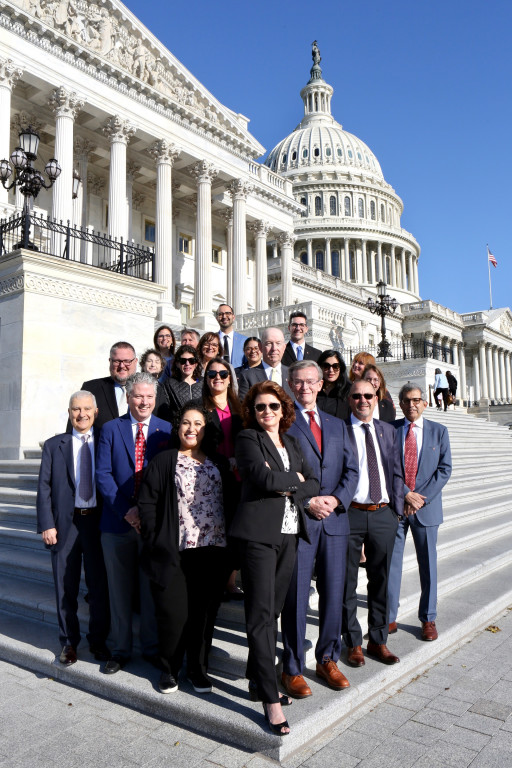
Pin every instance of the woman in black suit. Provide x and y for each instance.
(268, 522)
(332, 398)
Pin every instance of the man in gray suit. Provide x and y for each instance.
(427, 465)
(273, 344)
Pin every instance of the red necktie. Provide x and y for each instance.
(317, 432)
(410, 458)
(140, 450)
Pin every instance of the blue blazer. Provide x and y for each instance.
(115, 467)
(390, 450)
(336, 467)
(434, 469)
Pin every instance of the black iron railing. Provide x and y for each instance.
(53, 238)
(406, 350)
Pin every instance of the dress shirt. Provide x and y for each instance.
(304, 412)
(229, 337)
(77, 445)
(418, 434)
(145, 427)
(362, 494)
(268, 372)
(294, 345)
(120, 393)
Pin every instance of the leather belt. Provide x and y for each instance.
(368, 507)
(85, 510)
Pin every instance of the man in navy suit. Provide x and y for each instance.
(297, 349)
(68, 518)
(326, 447)
(231, 342)
(126, 445)
(427, 465)
(373, 517)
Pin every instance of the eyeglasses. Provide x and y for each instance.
(308, 383)
(118, 363)
(260, 407)
(187, 361)
(334, 366)
(213, 374)
(412, 400)
(359, 395)
(224, 314)
(164, 336)
(375, 381)
(298, 325)
(210, 346)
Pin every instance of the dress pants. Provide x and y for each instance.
(121, 552)
(377, 531)
(328, 555)
(83, 541)
(266, 573)
(187, 607)
(425, 543)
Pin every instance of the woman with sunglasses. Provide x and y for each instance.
(209, 347)
(184, 384)
(332, 398)
(269, 519)
(387, 410)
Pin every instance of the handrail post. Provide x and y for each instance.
(121, 259)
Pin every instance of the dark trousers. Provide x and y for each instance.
(186, 608)
(444, 391)
(266, 573)
(377, 531)
(83, 542)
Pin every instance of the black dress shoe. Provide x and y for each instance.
(100, 652)
(67, 655)
(114, 664)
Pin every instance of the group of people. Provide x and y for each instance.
(260, 456)
(445, 389)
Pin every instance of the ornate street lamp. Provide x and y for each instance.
(26, 178)
(385, 306)
(77, 183)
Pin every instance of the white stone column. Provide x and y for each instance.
(380, 261)
(9, 76)
(286, 240)
(462, 369)
(496, 374)
(239, 190)
(261, 230)
(327, 260)
(204, 173)
(503, 383)
(119, 132)
(309, 244)
(416, 280)
(66, 105)
(484, 379)
(393, 265)
(476, 377)
(164, 154)
(455, 353)
(490, 376)
(404, 269)
(227, 215)
(132, 170)
(275, 250)
(508, 377)
(364, 262)
(346, 259)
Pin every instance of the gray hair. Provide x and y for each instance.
(140, 378)
(191, 330)
(80, 394)
(410, 387)
(265, 333)
(300, 365)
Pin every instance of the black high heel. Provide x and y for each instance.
(275, 727)
(285, 701)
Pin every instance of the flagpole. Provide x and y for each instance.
(489, 268)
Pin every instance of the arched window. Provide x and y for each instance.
(360, 208)
(319, 260)
(340, 152)
(284, 157)
(348, 208)
(372, 209)
(327, 151)
(382, 213)
(317, 152)
(335, 263)
(318, 205)
(304, 257)
(304, 153)
(332, 205)
(304, 201)
(294, 155)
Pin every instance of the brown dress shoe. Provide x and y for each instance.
(392, 628)
(428, 630)
(328, 671)
(67, 655)
(382, 653)
(355, 656)
(296, 686)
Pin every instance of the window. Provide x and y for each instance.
(185, 244)
(318, 205)
(149, 231)
(372, 210)
(332, 205)
(185, 313)
(294, 155)
(371, 342)
(304, 257)
(216, 255)
(319, 260)
(350, 153)
(335, 263)
(304, 201)
(382, 213)
(327, 151)
(360, 208)
(317, 152)
(340, 152)
(359, 156)
(304, 153)
(348, 207)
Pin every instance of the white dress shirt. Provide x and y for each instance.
(77, 446)
(278, 374)
(122, 403)
(295, 346)
(362, 494)
(305, 413)
(145, 427)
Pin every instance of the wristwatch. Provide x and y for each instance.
(307, 502)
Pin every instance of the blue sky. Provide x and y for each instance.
(426, 85)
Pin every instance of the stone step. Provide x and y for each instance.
(21, 480)
(25, 466)
(33, 453)
(17, 496)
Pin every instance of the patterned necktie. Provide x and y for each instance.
(226, 349)
(410, 458)
(317, 432)
(140, 450)
(300, 353)
(85, 485)
(373, 467)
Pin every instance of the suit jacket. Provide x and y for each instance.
(253, 375)
(237, 352)
(115, 467)
(336, 467)
(103, 391)
(56, 487)
(434, 469)
(390, 451)
(260, 514)
(310, 353)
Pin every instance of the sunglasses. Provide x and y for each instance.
(260, 407)
(213, 374)
(334, 366)
(359, 396)
(187, 361)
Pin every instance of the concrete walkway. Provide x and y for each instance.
(457, 714)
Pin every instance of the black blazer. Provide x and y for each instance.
(252, 376)
(259, 516)
(310, 353)
(103, 391)
(387, 411)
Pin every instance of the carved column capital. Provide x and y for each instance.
(260, 228)
(22, 119)
(287, 238)
(9, 73)
(239, 189)
(117, 129)
(65, 103)
(203, 171)
(82, 147)
(95, 184)
(163, 151)
(138, 200)
(227, 217)
(132, 170)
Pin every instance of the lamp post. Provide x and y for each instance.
(27, 179)
(385, 306)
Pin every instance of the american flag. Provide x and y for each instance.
(491, 258)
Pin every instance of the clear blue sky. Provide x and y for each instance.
(426, 85)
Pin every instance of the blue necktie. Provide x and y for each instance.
(300, 353)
